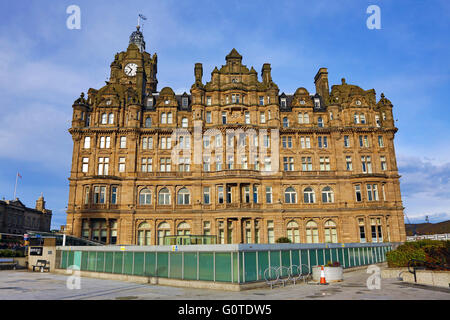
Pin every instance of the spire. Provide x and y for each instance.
(137, 38)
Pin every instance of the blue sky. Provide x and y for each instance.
(44, 66)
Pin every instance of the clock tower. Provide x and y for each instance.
(135, 67)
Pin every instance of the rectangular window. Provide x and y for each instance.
(206, 195)
(267, 164)
(86, 195)
(206, 228)
(102, 142)
(346, 142)
(306, 163)
(85, 165)
(268, 194)
(366, 164)
(324, 164)
(255, 194)
(369, 192)
(348, 160)
(322, 142)
(218, 163)
(262, 117)
(147, 165)
(114, 195)
(208, 101)
(165, 165)
(247, 117)
(383, 163)
(358, 193)
(288, 163)
(270, 232)
(230, 162)
(121, 164)
(123, 142)
(380, 141)
(103, 166)
(229, 194)
(362, 231)
(206, 164)
(261, 100)
(108, 142)
(87, 142)
(208, 117)
(224, 118)
(220, 196)
(246, 194)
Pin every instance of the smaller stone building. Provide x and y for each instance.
(16, 218)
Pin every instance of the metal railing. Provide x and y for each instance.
(284, 274)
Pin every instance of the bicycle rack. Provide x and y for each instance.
(284, 274)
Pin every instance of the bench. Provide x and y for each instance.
(9, 262)
(42, 265)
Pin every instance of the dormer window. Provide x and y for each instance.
(184, 102)
(150, 102)
(283, 102)
(317, 103)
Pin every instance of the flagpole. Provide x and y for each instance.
(15, 187)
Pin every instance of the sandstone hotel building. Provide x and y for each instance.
(256, 164)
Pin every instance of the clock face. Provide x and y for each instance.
(130, 69)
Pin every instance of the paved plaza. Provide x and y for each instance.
(47, 286)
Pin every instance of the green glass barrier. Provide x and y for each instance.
(109, 262)
(206, 266)
(312, 258)
(176, 265)
(263, 263)
(320, 257)
(295, 257)
(128, 263)
(223, 266)
(84, 260)
(100, 265)
(91, 261)
(190, 265)
(139, 260)
(150, 264)
(285, 262)
(250, 266)
(63, 262)
(305, 258)
(118, 262)
(235, 267)
(162, 269)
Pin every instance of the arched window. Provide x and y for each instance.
(163, 231)
(183, 229)
(145, 197)
(104, 118)
(143, 234)
(327, 195)
(330, 232)
(285, 122)
(309, 196)
(312, 232)
(184, 122)
(320, 122)
(111, 118)
(183, 196)
(148, 122)
(164, 196)
(293, 232)
(290, 196)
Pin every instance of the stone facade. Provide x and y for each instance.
(252, 165)
(16, 218)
